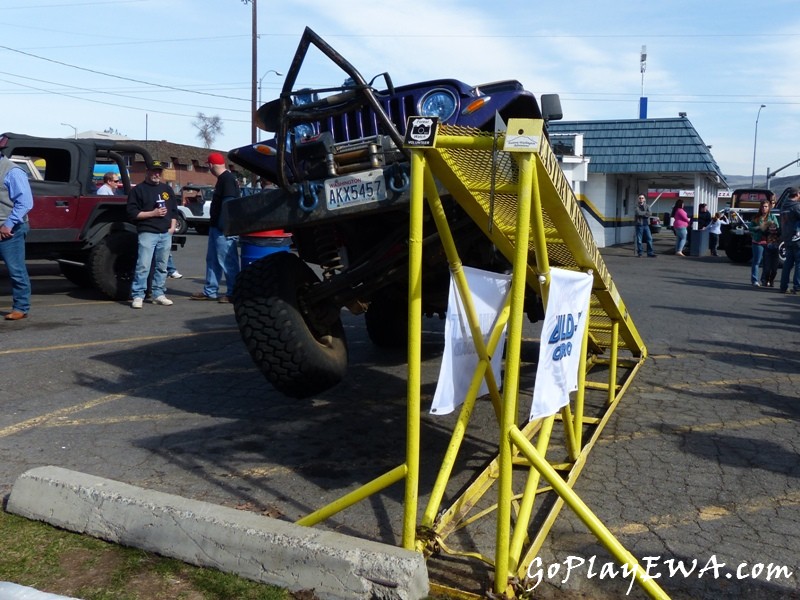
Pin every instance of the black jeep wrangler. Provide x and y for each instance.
(342, 178)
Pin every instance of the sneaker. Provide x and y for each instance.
(137, 303)
(224, 300)
(756, 284)
(175, 275)
(652, 255)
(162, 300)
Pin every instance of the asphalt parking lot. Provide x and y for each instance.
(700, 460)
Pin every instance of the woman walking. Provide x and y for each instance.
(680, 223)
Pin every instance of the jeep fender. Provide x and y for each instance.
(99, 231)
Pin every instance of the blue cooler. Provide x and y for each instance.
(258, 245)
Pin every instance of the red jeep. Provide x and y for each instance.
(88, 235)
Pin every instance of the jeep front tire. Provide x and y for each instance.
(112, 264)
(300, 349)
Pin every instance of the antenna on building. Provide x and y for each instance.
(643, 68)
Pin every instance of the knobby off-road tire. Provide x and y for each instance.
(297, 354)
(112, 264)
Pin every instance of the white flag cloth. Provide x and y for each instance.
(460, 359)
(561, 340)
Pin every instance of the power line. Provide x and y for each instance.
(159, 85)
(86, 90)
(148, 110)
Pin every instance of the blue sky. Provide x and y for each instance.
(94, 64)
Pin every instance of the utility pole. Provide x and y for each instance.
(253, 71)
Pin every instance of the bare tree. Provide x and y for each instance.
(208, 128)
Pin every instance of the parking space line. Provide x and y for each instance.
(146, 338)
(42, 419)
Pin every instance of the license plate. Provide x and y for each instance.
(359, 188)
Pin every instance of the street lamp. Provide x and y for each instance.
(74, 129)
(755, 141)
(278, 73)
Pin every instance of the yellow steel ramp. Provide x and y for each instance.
(511, 186)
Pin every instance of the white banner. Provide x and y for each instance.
(561, 340)
(460, 359)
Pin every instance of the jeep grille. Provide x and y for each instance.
(363, 122)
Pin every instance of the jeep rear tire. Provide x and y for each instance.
(112, 264)
(301, 350)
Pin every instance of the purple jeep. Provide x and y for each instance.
(342, 179)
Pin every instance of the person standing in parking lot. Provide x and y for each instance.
(758, 232)
(222, 255)
(643, 233)
(680, 223)
(154, 210)
(16, 200)
(790, 222)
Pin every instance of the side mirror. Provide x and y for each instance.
(551, 107)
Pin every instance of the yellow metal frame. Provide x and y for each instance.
(522, 202)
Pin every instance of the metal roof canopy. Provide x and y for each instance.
(666, 153)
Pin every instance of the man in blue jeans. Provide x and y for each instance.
(153, 209)
(790, 220)
(222, 255)
(643, 228)
(16, 200)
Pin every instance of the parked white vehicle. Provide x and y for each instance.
(195, 208)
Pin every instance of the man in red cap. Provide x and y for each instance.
(222, 255)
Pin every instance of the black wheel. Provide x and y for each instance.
(112, 264)
(781, 254)
(301, 350)
(182, 227)
(737, 250)
(201, 228)
(387, 319)
(77, 274)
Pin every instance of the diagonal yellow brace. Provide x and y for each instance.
(617, 550)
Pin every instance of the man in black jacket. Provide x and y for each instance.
(222, 255)
(154, 210)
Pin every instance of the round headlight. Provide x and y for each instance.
(438, 103)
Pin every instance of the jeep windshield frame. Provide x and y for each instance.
(284, 113)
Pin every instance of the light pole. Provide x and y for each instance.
(74, 129)
(278, 73)
(755, 141)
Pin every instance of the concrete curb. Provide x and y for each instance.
(235, 541)
(12, 591)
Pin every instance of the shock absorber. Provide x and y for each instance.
(328, 252)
